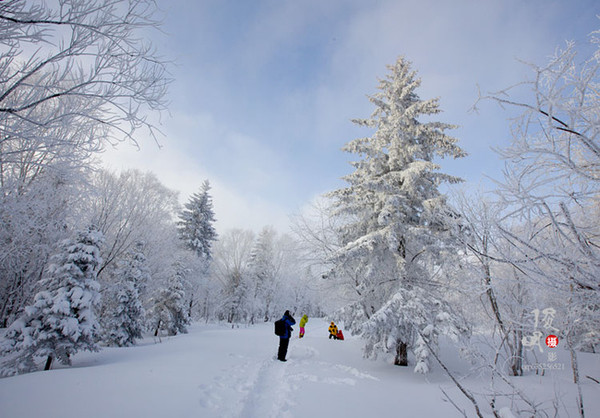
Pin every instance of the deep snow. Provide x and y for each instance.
(216, 371)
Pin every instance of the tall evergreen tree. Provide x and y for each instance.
(236, 299)
(263, 269)
(123, 319)
(168, 306)
(391, 235)
(231, 271)
(196, 230)
(195, 226)
(61, 320)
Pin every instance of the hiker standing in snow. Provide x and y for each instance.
(303, 322)
(284, 340)
(333, 329)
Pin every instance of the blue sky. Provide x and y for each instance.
(264, 90)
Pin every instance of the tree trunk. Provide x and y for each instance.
(12, 301)
(401, 358)
(575, 367)
(48, 363)
(517, 363)
(191, 306)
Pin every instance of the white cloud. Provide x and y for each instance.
(238, 168)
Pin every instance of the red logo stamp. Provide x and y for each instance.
(551, 341)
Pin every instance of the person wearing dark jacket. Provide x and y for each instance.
(284, 340)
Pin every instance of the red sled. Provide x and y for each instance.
(339, 335)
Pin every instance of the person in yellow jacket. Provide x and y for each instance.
(333, 330)
(303, 322)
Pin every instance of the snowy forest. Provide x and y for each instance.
(403, 256)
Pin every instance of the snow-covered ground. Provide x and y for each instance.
(216, 371)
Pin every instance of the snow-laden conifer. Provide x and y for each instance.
(263, 269)
(392, 237)
(195, 226)
(124, 316)
(61, 321)
(168, 306)
(124, 323)
(236, 304)
(411, 315)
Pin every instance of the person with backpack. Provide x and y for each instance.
(285, 334)
(303, 322)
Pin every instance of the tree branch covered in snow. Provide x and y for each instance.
(87, 61)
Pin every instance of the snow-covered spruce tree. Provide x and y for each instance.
(236, 304)
(195, 227)
(123, 318)
(391, 235)
(136, 269)
(168, 306)
(262, 271)
(61, 320)
(196, 231)
(231, 272)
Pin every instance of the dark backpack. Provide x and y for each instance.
(280, 327)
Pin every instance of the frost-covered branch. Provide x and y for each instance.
(90, 50)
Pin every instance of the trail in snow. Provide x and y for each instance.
(249, 389)
(269, 393)
(270, 388)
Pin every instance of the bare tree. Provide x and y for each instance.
(85, 62)
(552, 185)
(316, 231)
(129, 208)
(498, 275)
(553, 164)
